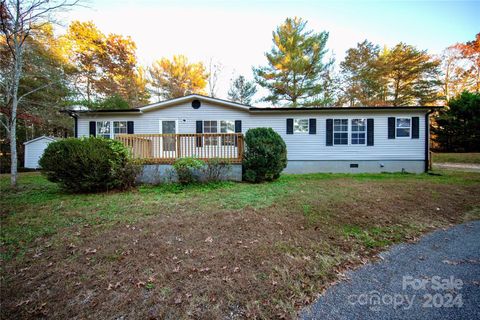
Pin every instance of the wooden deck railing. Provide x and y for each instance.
(165, 148)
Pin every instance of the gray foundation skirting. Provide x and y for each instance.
(355, 166)
(165, 173)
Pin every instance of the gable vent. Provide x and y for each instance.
(196, 104)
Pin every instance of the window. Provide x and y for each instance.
(340, 131)
(210, 127)
(119, 127)
(103, 129)
(359, 128)
(300, 125)
(403, 127)
(227, 126)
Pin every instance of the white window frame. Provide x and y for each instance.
(296, 124)
(347, 132)
(110, 128)
(211, 141)
(229, 140)
(409, 128)
(359, 132)
(113, 128)
(215, 140)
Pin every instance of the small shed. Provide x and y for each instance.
(34, 150)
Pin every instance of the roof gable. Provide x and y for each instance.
(192, 97)
(41, 138)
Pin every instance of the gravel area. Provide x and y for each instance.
(468, 167)
(436, 278)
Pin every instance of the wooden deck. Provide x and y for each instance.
(166, 148)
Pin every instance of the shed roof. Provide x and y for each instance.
(41, 138)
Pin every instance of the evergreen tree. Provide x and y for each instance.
(412, 76)
(242, 90)
(458, 125)
(362, 76)
(296, 67)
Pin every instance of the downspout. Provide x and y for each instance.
(75, 118)
(427, 138)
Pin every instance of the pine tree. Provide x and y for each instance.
(296, 66)
(242, 90)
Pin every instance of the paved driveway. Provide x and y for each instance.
(435, 278)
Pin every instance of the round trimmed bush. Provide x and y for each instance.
(265, 155)
(89, 164)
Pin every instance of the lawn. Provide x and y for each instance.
(456, 157)
(225, 250)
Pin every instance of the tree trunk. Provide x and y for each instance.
(17, 70)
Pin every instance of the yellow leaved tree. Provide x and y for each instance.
(176, 78)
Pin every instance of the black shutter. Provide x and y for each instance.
(312, 126)
(199, 130)
(391, 127)
(76, 126)
(415, 127)
(238, 129)
(130, 127)
(238, 126)
(370, 132)
(93, 128)
(329, 128)
(289, 126)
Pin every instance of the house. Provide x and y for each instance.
(34, 150)
(335, 139)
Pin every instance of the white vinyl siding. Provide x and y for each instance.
(34, 151)
(300, 147)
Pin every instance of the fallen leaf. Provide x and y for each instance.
(450, 262)
(21, 303)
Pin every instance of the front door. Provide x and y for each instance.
(168, 143)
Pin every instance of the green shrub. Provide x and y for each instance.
(265, 155)
(215, 169)
(89, 165)
(185, 168)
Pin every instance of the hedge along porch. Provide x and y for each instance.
(356, 139)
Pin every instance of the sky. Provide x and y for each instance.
(238, 33)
